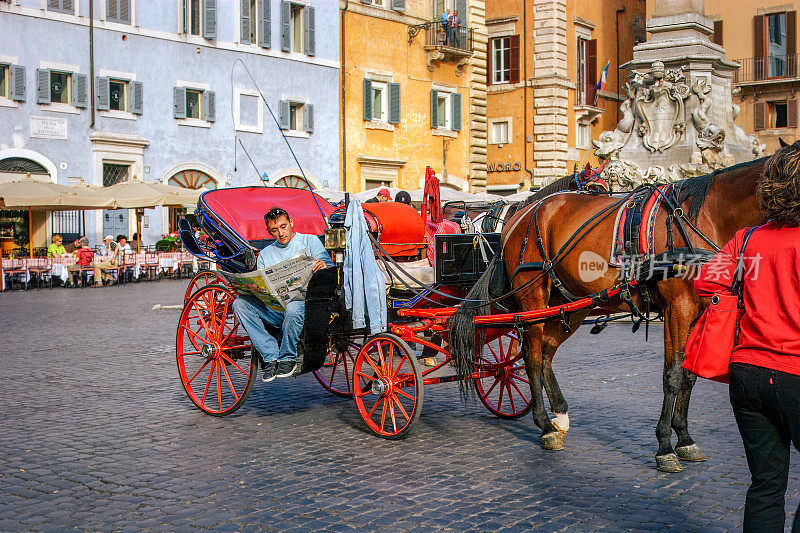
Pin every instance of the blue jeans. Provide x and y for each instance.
(766, 404)
(252, 314)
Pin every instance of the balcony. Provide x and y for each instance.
(765, 70)
(442, 44)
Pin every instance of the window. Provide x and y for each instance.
(194, 16)
(194, 104)
(256, 22)
(501, 51)
(583, 134)
(379, 3)
(587, 71)
(61, 6)
(716, 37)
(445, 110)
(4, 82)
(114, 173)
(775, 114)
(381, 101)
(118, 11)
(63, 88)
(60, 87)
(12, 82)
(500, 132)
(296, 116)
(297, 28)
(116, 94)
(248, 111)
(774, 45)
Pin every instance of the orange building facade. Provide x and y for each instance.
(543, 66)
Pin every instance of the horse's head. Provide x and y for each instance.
(591, 179)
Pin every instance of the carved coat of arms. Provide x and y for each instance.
(660, 102)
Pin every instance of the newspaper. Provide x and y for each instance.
(277, 285)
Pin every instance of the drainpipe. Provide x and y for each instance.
(342, 75)
(91, 59)
(525, 89)
(616, 22)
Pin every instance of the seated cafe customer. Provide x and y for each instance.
(57, 248)
(84, 255)
(110, 250)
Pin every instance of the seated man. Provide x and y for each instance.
(85, 256)
(252, 314)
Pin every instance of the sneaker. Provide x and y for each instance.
(269, 371)
(285, 369)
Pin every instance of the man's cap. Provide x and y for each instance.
(385, 192)
(108, 238)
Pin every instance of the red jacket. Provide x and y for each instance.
(770, 328)
(85, 256)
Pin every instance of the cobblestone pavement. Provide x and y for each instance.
(98, 434)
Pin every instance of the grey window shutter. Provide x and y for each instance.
(103, 94)
(42, 86)
(137, 98)
(394, 103)
(179, 102)
(80, 91)
(125, 11)
(17, 75)
(399, 5)
(461, 7)
(112, 10)
(455, 104)
(266, 27)
(308, 118)
(286, 26)
(54, 5)
(367, 99)
(310, 29)
(246, 21)
(185, 13)
(434, 108)
(210, 105)
(283, 115)
(66, 6)
(210, 19)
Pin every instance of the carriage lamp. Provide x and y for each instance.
(335, 241)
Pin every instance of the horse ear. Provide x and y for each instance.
(782, 143)
(587, 170)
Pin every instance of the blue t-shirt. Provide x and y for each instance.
(275, 253)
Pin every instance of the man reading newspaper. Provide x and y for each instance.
(253, 314)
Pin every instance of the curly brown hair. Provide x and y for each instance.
(779, 187)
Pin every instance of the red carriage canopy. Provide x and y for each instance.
(243, 209)
(401, 228)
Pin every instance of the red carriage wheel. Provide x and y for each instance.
(335, 374)
(215, 358)
(387, 385)
(201, 279)
(501, 381)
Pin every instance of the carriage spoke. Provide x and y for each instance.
(231, 361)
(399, 366)
(230, 384)
(407, 395)
(200, 370)
(488, 392)
(219, 386)
(383, 414)
(515, 376)
(496, 359)
(500, 398)
(518, 390)
(391, 412)
(373, 409)
(208, 382)
(202, 320)
(372, 364)
(365, 376)
(382, 358)
(400, 405)
(511, 398)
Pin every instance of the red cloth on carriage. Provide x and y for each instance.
(436, 224)
(243, 208)
(399, 227)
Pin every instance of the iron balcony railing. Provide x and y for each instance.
(770, 68)
(439, 34)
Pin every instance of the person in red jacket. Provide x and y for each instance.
(765, 364)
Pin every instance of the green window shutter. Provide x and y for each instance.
(42, 86)
(80, 86)
(308, 118)
(137, 98)
(266, 28)
(394, 103)
(179, 102)
(210, 19)
(246, 21)
(103, 94)
(399, 5)
(434, 109)
(455, 104)
(367, 99)
(310, 29)
(283, 115)
(17, 75)
(286, 26)
(210, 105)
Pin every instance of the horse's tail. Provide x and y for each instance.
(462, 327)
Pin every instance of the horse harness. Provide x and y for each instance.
(633, 237)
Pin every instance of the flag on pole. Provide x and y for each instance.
(602, 83)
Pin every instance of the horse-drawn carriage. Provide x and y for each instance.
(382, 372)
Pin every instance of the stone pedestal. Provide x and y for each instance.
(678, 117)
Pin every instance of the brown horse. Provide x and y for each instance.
(718, 204)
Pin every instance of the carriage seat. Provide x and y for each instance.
(421, 270)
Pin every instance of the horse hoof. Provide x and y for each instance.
(668, 463)
(690, 453)
(552, 441)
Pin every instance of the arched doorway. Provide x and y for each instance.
(190, 178)
(17, 225)
(296, 182)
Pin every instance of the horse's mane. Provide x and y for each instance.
(697, 187)
(561, 184)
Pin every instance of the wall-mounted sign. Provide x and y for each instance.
(48, 128)
(504, 167)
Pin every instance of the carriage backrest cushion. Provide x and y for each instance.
(243, 209)
(401, 227)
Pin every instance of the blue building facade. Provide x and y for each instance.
(166, 96)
